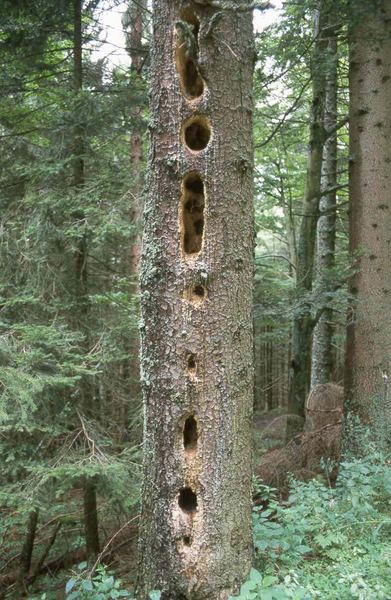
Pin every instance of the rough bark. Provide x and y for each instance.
(368, 356)
(196, 294)
(303, 321)
(322, 355)
(81, 281)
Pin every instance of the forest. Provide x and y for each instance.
(195, 299)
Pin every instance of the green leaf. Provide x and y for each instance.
(108, 583)
(255, 575)
(269, 580)
(155, 595)
(248, 586)
(279, 594)
(70, 584)
(87, 585)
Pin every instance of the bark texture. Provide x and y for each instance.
(322, 355)
(368, 358)
(196, 295)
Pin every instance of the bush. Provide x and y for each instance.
(326, 543)
(103, 586)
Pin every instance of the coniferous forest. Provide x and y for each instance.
(195, 299)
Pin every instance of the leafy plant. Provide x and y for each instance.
(103, 586)
(259, 587)
(324, 542)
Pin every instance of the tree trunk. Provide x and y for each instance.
(196, 294)
(303, 322)
(269, 368)
(368, 356)
(286, 204)
(136, 143)
(27, 550)
(81, 281)
(322, 355)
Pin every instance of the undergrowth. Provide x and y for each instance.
(328, 543)
(323, 542)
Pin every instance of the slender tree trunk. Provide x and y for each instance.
(322, 355)
(286, 205)
(130, 368)
(258, 369)
(27, 550)
(368, 356)
(303, 322)
(81, 281)
(136, 143)
(196, 290)
(269, 368)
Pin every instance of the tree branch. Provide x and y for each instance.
(223, 5)
(285, 116)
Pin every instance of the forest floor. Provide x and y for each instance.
(122, 552)
(306, 552)
(269, 431)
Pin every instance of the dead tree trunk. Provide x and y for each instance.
(196, 294)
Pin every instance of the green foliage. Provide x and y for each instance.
(325, 542)
(58, 346)
(266, 587)
(102, 586)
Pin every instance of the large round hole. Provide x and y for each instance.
(196, 133)
(187, 500)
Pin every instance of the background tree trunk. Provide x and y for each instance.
(196, 293)
(81, 282)
(322, 354)
(368, 357)
(27, 550)
(303, 322)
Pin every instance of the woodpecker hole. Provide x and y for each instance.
(199, 291)
(187, 500)
(190, 435)
(192, 214)
(196, 133)
(186, 540)
(196, 295)
(186, 58)
(191, 364)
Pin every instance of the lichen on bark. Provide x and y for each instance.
(197, 361)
